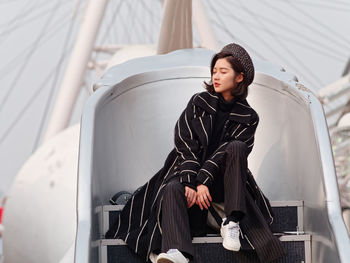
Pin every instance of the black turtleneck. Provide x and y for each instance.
(222, 113)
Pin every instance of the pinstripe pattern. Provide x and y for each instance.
(188, 171)
(217, 153)
(117, 231)
(155, 199)
(267, 246)
(130, 213)
(206, 171)
(241, 115)
(138, 224)
(183, 141)
(233, 133)
(207, 103)
(205, 132)
(240, 133)
(188, 126)
(246, 106)
(151, 240)
(169, 169)
(138, 237)
(235, 177)
(143, 204)
(190, 161)
(215, 164)
(158, 217)
(175, 220)
(232, 183)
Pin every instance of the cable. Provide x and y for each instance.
(223, 27)
(320, 5)
(293, 40)
(9, 2)
(150, 12)
(9, 68)
(11, 25)
(294, 32)
(334, 2)
(319, 82)
(103, 38)
(107, 31)
(125, 31)
(322, 25)
(305, 25)
(134, 9)
(21, 13)
(25, 12)
(26, 106)
(22, 21)
(55, 80)
(115, 33)
(28, 57)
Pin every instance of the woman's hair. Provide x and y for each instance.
(241, 91)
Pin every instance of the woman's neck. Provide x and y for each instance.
(227, 96)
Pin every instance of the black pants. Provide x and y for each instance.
(228, 187)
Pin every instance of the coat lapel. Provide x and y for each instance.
(203, 128)
(207, 102)
(203, 124)
(240, 114)
(241, 111)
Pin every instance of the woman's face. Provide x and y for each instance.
(224, 78)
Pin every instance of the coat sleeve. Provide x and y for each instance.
(210, 167)
(187, 146)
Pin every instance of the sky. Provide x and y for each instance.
(310, 38)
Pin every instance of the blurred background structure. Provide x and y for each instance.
(307, 37)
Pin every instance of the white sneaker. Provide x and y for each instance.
(230, 235)
(153, 257)
(172, 256)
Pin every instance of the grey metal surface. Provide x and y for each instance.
(210, 249)
(127, 131)
(287, 217)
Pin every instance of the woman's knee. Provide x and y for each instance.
(237, 147)
(174, 187)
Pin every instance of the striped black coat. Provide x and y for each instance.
(139, 222)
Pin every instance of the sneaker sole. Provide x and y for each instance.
(164, 260)
(236, 249)
(229, 247)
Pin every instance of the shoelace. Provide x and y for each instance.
(234, 232)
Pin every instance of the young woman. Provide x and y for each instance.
(213, 138)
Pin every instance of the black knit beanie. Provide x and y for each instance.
(243, 58)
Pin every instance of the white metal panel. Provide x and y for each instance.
(127, 131)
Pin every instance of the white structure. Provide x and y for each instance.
(40, 212)
(292, 158)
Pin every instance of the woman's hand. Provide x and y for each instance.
(203, 197)
(190, 195)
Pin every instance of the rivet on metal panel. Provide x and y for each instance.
(95, 87)
(302, 87)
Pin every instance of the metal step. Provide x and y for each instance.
(210, 250)
(288, 216)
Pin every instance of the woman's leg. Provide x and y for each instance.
(175, 222)
(235, 178)
(234, 184)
